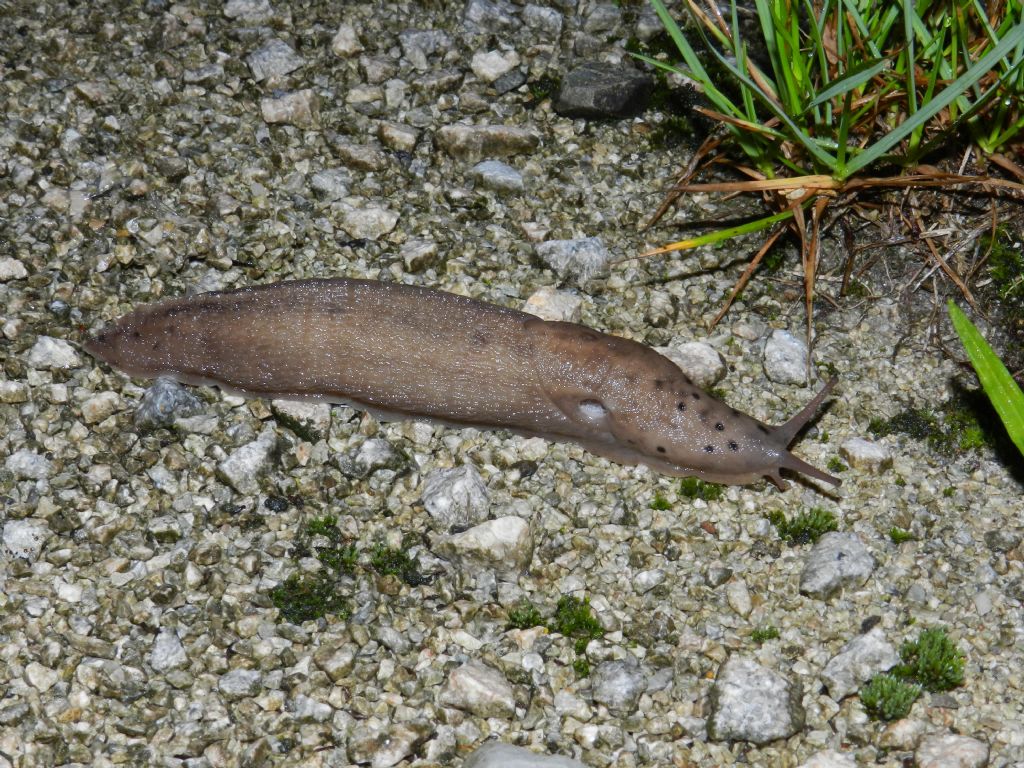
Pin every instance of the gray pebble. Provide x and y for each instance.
(785, 358)
(12, 269)
(475, 142)
(298, 108)
(865, 455)
(242, 468)
(274, 59)
(455, 497)
(240, 683)
(13, 392)
(249, 11)
(420, 44)
(829, 758)
(1003, 540)
(698, 360)
(98, 407)
(497, 175)
(309, 710)
(49, 353)
(345, 42)
(489, 15)
(752, 703)
(165, 401)
(25, 538)
(618, 685)
(577, 260)
(419, 254)
(857, 662)
(474, 687)
(494, 755)
(167, 652)
(837, 560)
(544, 22)
(490, 65)
(330, 183)
(28, 465)
(400, 741)
(504, 545)
(370, 223)
(309, 420)
(599, 90)
(549, 303)
(372, 455)
(951, 751)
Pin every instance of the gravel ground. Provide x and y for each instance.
(151, 149)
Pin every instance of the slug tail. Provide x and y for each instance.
(784, 433)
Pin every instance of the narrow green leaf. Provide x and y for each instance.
(942, 100)
(852, 79)
(1002, 390)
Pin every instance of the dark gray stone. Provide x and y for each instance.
(600, 90)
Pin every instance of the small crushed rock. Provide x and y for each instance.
(857, 662)
(785, 358)
(455, 497)
(598, 90)
(838, 559)
(752, 703)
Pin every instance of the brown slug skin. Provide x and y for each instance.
(417, 353)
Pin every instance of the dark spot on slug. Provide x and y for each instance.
(720, 426)
(709, 449)
(135, 335)
(695, 396)
(155, 345)
(481, 338)
(681, 406)
(733, 445)
(659, 383)
(661, 449)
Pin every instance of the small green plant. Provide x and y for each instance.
(524, 616)
(898, 535)
(958, 429)
(1002, 390)
(930, 663)
(932, 660)
(805, 528)
(341, 559)
(660, 503)
(763, 634)
(306, 596)
(695, 488)
(888, 697)
(836, 464)
(573, 618)
(581, 666)
(326, 526)
(395, 562)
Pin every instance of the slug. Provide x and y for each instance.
(406, 352)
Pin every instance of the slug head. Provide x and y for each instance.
(695, 434)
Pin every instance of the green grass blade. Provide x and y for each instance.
(942, 100)
(1002, 390)
(854, 78)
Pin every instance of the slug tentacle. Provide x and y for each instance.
(417, 353)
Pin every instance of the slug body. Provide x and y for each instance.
(408, 352)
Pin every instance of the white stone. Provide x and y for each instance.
(479, 689)
(549, 303)
(167, 652)
(28, 465)
(504, 545)
(857, 662)
(370, 223)
(698, 360)
(345, 42)
(785, 358)
(49, 353)
(830, 758)
(865, 455)
(25, 538)
(490, 65)
(12, 269)
(951, 751)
